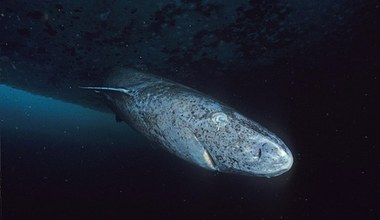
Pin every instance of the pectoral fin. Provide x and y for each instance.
(186, 145)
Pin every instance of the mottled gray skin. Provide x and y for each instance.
(194, 126)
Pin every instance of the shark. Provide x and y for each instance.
(194, 126)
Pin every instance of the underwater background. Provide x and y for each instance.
(306, 70)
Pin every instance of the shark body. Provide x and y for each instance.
(194, 126)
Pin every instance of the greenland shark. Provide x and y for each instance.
(193, 126)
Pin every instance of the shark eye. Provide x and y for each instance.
(220, 118)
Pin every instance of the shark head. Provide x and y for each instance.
(235, 144)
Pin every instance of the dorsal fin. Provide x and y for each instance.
(111, 89)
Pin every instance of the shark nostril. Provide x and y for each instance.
(259, 155)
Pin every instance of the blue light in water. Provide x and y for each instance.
(20, 110)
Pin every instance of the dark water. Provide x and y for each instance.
(63, 161)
